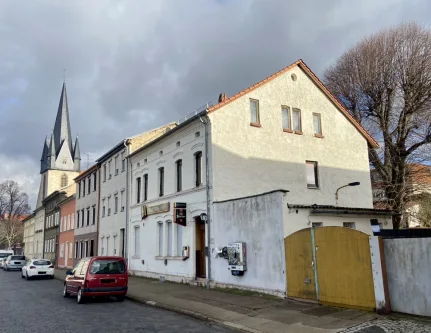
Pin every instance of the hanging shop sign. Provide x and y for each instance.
(180, 213)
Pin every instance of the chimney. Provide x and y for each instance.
(221, 97)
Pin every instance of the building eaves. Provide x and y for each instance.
(85, 173)
(325, 209)
(67, 199)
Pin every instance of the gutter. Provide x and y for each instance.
(207, 187)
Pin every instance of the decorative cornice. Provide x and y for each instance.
(177, 154)
(160, 162)
(197, 145)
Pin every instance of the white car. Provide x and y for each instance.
(38, 267)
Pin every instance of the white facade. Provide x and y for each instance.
(87, 198)
(155, 242)
(112, 209)
(29, 228)
(39, 227)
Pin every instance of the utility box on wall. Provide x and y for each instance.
(237, 258)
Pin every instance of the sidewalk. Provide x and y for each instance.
(247, 313)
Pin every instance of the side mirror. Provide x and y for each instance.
(69, 273)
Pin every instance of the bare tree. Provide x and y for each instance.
(14, 208)
(385, 83)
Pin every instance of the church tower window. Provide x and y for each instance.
(63, 180)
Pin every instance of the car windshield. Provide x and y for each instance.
(41, 262)
(4, 255)
(17, 258)
(106, 266)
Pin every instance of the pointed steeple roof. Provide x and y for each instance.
(51, 150)
(45, 149)
(62, 130)
(76, 151)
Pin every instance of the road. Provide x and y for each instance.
(38, 306)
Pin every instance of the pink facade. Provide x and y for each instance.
(65, 248)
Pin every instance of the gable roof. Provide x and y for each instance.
(319, 84)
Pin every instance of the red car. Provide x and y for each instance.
(97, 277)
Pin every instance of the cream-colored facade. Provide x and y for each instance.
(251, 160)
(38, 239)
(29, 225)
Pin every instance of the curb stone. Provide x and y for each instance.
(188, 313)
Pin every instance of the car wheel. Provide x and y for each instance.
(22, 275)
(65, 293)
(120, 298)
(79, 297)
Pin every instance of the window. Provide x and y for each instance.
(145, 187)
(88, 216)
(83, 188)
(104, 172)
(312, 175)
(109, 169)
(138, 190)
(285, 115)
(76, 250)
(86, 248)
(198, 168)
(317, 123)
(91, 247)
(145, 160)
(70, 250)
(116, 203)
(57, 218)
(160, 238)
(61, 224)
(89, 185)
(103, 208)
(137, 242)
(123, 162)
(82, 217)
(197, 134)
(316, 224)
(116, 164)
(64, 160)
(72, 221)
(94, 181)
(179, 164)
(169, 227)
(161, 153)
(350, 225)
(178, 143)
(63, 180)
(109, 205)
(107, 246)
(254, 112)
(179, 240)
(122, 200)
(77, 219)
(112, 266)
(79, 189)
(297, 126)
(61, 250)
(68, 223)
(161, 181)
(94, 214)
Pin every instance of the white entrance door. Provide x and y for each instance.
(66, 254)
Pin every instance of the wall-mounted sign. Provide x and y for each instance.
(180, 213)
(156, 209)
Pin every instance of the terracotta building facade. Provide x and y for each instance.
(66, 249)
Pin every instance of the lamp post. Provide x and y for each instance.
(349, 184)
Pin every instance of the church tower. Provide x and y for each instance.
(61, 160)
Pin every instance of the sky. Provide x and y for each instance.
(134, 65)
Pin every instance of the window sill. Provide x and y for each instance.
(168, 258)
(298, 132)
(287, 130)
(311, 187)
(255, 125)
(320, 136)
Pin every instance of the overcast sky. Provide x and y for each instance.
(133, 65)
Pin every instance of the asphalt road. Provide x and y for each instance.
(39, 306)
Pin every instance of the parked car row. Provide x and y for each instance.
(92, 277)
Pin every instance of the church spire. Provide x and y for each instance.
(62, 132)
(77, 156)
(43, 159)
(51, 153)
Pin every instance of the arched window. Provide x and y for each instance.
(63, 180)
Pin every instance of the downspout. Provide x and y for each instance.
(207, 187)
(126, 236)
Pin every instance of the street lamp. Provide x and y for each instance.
(349, 184)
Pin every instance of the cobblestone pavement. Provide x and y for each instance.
(38, 306)
(390, 326)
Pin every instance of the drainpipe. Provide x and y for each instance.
(126, 236)
(205, 121)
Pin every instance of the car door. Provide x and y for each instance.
(72, 283)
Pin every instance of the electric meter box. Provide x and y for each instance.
(237, 258)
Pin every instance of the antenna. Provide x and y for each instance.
(88, 159)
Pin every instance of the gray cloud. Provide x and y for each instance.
(133, 65)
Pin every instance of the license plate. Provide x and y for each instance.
(107, 281)
(41, 272)
(17, 263)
